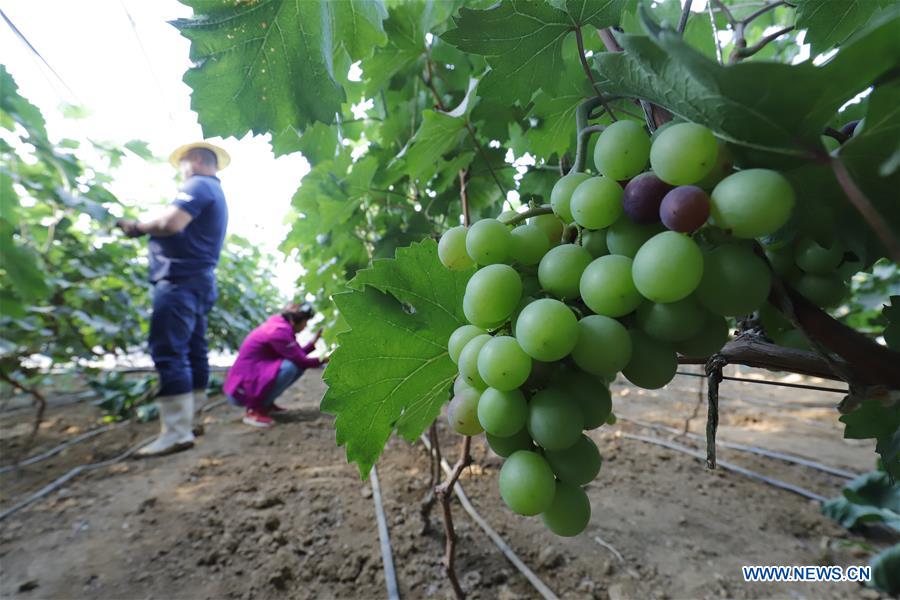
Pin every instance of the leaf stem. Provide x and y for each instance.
(764, 10)
(583, 131)
(587, 71)
(865, 207)
(685, 13)
(743, 51)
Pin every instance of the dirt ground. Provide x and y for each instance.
(279, 513)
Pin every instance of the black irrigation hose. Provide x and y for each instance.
(791, 458)
(728, 466)
(75, 471)
(56, 449)
(384, 539)
(508, 552)
(58, 483)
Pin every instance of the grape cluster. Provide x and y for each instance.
(552, 322)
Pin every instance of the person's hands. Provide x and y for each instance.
(130, 228)
(317, 336)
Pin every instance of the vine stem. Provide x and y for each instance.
(743, 51)
(444, 493)
(587, 71)
(38, 399)
(866, 209)
(583, 131)
(531, 212)
(685, 13)
(464, 201)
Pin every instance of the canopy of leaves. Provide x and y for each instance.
(391, 370)
(475, 100)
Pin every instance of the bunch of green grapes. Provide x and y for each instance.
(552, 323)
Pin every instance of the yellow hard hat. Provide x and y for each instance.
(221, 156)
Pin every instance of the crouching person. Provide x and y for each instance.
(269, 361)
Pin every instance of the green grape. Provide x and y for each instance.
(503, 364)
(709, 340)
(502, 413)
(772, 320)
(611, 419)
(554, 419)
(468, 361)
(452, 249)
(603, 346)
(668, 267)
(542, 373)
(525, 301)
(579, 464)
(462, 413)
(622, 150)
(491, 295)
(529, 244)
(792, 338)
(825, 291)
(735, 281)
(781, 259)
(570, 511)
(829, 143)
(653, 363)
(550, 225)
(504, 446)
(531, 286)
(561, 195)
(672, 322)
(547, 329)
(684, 153)
(597, 202)
(460, 337)
(460, 384)
(815, 258)
(591, 394)
(561, 268)
(625, 237)
(607, 286)
(723, 168)
(488, 242)
(752, 203)
(526, 483)
(594, 241)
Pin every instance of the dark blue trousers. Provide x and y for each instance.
(178, 333)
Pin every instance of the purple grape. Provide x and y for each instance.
(849, 128)
(684, 209)
(642, 198)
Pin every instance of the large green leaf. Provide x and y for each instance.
(870, 498)
(391, 370)
(438, 134)
(879, 420)
(523, 42)
(764, 105)
(829, 23)
(269, 65)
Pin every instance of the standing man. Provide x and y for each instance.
(185, 242)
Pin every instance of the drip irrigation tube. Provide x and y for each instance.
(384, 539)
(56, 449)
(728, 466)
(791, 458)
(58, 483)
(532, 578)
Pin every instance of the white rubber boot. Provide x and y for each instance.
(176, 414)
(200, 399)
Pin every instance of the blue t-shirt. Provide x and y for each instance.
(194, 251)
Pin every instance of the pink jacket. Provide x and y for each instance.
(260, 358)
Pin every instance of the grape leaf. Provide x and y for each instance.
(875, 419)
(438, 134)
(871, 497)
(391, 371)
(269, 65)
(523, 42)
(829, 24)
(665, 70)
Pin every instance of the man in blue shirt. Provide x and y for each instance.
(185, 242)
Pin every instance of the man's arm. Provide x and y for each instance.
(172, 221)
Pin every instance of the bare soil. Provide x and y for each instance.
(280, 514)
